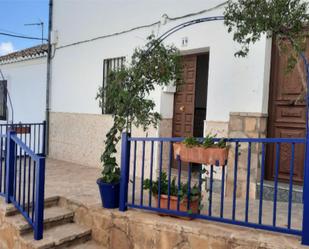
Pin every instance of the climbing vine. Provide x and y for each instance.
(128, 96)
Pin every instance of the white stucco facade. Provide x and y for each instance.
(26, 82)
(234, 85)
(85, 33)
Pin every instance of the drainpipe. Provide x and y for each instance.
(48, 81)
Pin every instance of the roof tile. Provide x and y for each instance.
(25, 53)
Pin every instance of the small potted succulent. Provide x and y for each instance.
(205, 151)
(182, 194)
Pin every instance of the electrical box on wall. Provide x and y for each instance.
(54, 36)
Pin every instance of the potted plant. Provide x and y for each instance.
(182, 194)
(127, 97)
(20, 128)
(205, 151)
(109, 183)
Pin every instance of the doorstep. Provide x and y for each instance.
(283, 192)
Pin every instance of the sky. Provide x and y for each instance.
(14, 14)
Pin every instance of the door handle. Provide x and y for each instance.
(182, 108)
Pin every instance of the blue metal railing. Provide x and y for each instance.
(2, 164)
(25, 180)
(31, 134)
(219, 206)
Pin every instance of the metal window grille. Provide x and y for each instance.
(3, 99)
(109, 65)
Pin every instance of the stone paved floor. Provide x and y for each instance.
(78, 183)
(73, 181)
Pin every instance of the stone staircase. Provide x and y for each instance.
(60, 230)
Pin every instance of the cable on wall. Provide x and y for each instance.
(142, 26)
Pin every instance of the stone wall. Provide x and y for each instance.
(245, 125)
(136, 229)
(220, 128)
(79, 138)
(9, 235)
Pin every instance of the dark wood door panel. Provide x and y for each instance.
(287, 117)
(184, 99)
(290, 114)
(286, 154)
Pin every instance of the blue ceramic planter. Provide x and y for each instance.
(109, 194)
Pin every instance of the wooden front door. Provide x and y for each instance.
(287, 118)
(183, 119)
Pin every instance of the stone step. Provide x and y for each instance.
(58, 237)
(53, 216)
(49, 202)
(282, 193)
(88, 245)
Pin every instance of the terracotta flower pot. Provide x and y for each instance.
(194, 204)
(198, 154)
(21, 130)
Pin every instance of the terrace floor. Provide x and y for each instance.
(72, 181)
(77, 183)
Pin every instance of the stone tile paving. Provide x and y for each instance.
(73, 181)
(78, 183)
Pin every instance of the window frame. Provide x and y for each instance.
(109, 64)
(4, 84)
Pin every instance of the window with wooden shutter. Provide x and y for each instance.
(109, 65)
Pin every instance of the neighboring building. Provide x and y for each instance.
(25, 76)
(235, 97)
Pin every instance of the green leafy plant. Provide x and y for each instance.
(207, 142)
(222, 143)
(191, 142)
(127, 96)
(286, 20)
(195, 193)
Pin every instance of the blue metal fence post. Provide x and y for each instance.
(44, 138)
(125, 171)
(305, 232)
(39, 199)
(10, 164)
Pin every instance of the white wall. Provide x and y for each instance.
(235, 85)
(26, 85)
